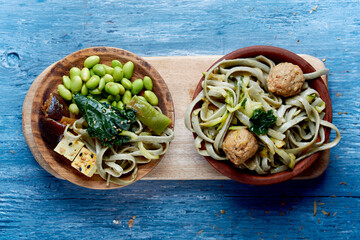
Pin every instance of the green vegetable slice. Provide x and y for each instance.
(105, 122)
(261, 121)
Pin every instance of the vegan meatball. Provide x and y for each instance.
(285, 79)
(239, 145)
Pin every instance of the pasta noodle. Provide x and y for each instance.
(232, 90)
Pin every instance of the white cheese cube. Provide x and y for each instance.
(85, 162)
(69, 149)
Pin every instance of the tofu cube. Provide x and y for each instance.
(85, 162)
(69, 149)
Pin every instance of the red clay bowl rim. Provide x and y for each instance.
(225, 167)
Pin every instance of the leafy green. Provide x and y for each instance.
(105, 122)
(261, 121)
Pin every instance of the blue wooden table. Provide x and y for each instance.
(35, 205)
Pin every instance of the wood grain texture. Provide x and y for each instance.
(35, 205)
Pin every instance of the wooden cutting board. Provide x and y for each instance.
(181, 162)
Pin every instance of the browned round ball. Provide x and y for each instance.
(285, 79)
(239, 145)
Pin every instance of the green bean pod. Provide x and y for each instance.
(91, 61)
(128, 69)
(64, 92)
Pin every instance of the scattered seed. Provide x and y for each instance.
(222, 211)
(12, 151)
(343, 183)
(334, 214)
(338, 94)
(200, 232)
(294, 13)
(315, 208)
(324, 59)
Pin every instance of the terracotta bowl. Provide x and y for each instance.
(47, 84)
(277, 55)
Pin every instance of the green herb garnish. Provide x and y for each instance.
(261, 121)
(105, 122)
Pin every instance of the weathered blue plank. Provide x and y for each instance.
(35, 205)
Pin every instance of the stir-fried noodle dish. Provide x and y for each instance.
(261, 116)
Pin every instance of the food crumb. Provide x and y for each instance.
(346, 50)
(325, 213)
(340, 113)
(315, 8)
(338, 38)
(343, 183)
(115, 221)
(250, 10)
(346, 112)
(12, 151)
(281, 213)
(338, 94)
(321, 203)
(349, 212)
(217, 213)
(267, 212)
(315, 208)
(282, 204)
(324, 59)
(294, 13)
(200, 232)
(222, 211)
(134, 217)
(334, 214)
(131, 222)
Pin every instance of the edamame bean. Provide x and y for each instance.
(108, 78)
(95, 91)
(85, 74)
(104, 101)
(151, 97)
(92, 72)
(91, 61)
(122, 89)
(76, 84)
(99, 70)
(112, 88)
(117, 97)
(126, 97)
(84, 90)
(64, 92)
(137, 86)
(101, 84)
(73, 108)
(128, 69)
(120, 105)
(114, 103)
(116, 63)
(111, 98)
(93, 82)
(126, 83)
(142, 97)
(108, 69)
(74, 71)
(118, 74)
(66, 82)
(148, 84)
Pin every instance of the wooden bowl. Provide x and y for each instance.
(277, 55)
(47, 83)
